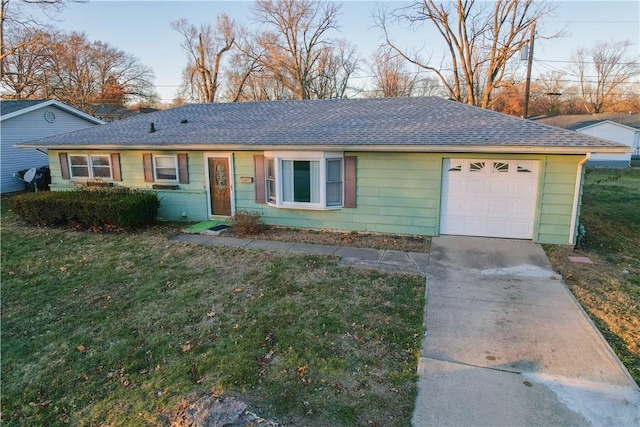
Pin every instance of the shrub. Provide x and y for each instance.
(246, 223)
(103, 208)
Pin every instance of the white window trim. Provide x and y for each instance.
(321, 156)
(89, 158)
(175, 162)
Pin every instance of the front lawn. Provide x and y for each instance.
(127, 329)
(609, 289)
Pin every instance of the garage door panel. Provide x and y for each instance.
(491, 198)
(524, 187)
(520, 209)
(478, 186)
(501, 187)
(498, 207)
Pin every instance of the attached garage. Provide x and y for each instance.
(490, 198)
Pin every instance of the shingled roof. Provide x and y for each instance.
(579, 121)
(413, 124)
(11, 106)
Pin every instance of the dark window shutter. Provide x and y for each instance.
(350, 181)
(258, 180)
(148, 167)
(115, 167)
(64, 166)
(183, 168)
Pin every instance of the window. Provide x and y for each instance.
(476, 166)
(525, 167)
(500, 167)
(270, 177)
(79, 166)
(90, 166)
(304, 180)
(334, 182)
(165, 168)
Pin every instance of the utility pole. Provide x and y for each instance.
(529, 64)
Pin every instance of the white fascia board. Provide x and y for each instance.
(504, 149)
(52, 102)
(607, 122)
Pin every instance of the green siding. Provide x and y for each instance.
(556, 194)
(395, 193)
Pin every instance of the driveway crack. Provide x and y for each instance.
(471, 365)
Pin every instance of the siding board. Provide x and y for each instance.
(27, 127)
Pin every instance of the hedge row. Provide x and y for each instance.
(101, 208)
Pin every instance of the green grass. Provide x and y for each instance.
(609, 289)
(124, 329)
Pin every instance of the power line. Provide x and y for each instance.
(584, 62)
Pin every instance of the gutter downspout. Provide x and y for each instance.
(576, 198)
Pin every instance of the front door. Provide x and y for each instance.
(219, 186)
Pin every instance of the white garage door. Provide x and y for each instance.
(490, 198)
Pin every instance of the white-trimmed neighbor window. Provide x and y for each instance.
(90, 166)
(312, 180)
(165, 168)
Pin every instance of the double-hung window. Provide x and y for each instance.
(165, 168)
(90, 166)
(304, 180)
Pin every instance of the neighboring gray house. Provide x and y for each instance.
(26, 120)
(623, 128)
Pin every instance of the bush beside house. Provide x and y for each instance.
(101, 208)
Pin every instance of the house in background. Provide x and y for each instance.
(25, 120)
(424, 166)
(617, 127)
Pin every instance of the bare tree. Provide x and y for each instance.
(294, 41)
(81, 73)
(24, 69)
(481, 38)
(205, 47)
(390, 76)
(602, 72)
(13, 16)
(427, 86)
(335, 66)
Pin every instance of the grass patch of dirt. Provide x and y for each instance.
(399, 242)
(128, 329)
(609, 289)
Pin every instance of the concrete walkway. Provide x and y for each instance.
(506, 343)
(389, 260)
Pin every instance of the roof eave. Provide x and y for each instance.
(514, 149)
(69, 109)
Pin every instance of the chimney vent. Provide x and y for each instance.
(152, 128)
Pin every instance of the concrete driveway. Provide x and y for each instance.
(506, 344)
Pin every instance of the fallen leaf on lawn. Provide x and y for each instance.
(186, 347)
(237, 290)
(11, 273)
(64, 268)
(81, 348)
(211, 314)
(552, 277)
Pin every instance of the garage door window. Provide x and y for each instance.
(476, 166)
(501, 167)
